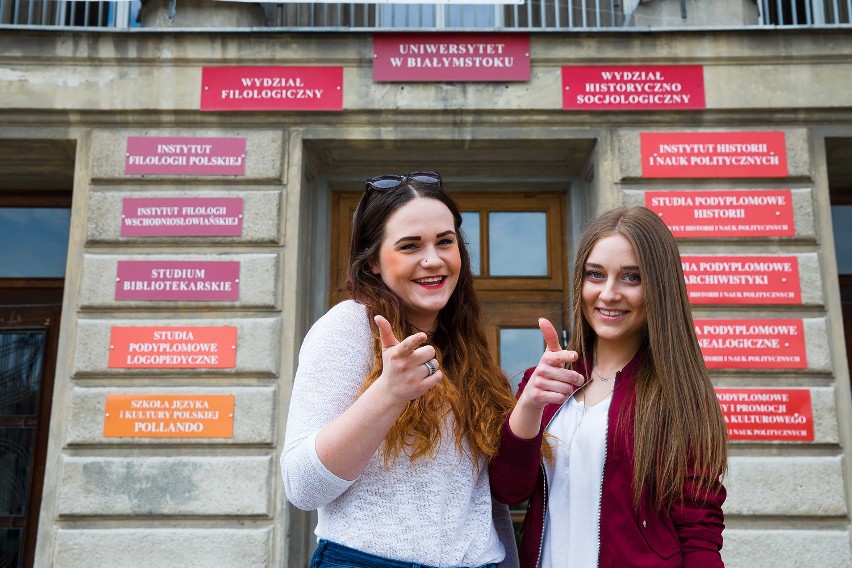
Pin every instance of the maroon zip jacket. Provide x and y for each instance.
(688, 534)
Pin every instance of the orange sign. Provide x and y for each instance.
(169, 416)
(166, 347)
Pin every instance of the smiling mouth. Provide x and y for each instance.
(431, 281)
(611, 313)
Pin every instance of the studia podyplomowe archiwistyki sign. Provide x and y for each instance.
(742, 279)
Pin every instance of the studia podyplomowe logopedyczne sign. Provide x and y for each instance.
(632, 87)
(752, 343)
(738, 154)
(185, 156)
(172, 347)
(767, 414)
(742, 279)
(730, 213)
(178, 280)
(169, 416)
(271, 88)
(181, 216)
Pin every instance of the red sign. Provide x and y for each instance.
(714, 214)
(752, 343)
(742, 279)
(713, 154)
(412, 57)
(783, 415)
(169, 416)
(185, 156)
(172, 347)
(639, 87)
(181, 216)
(177, 280)
(272, 88)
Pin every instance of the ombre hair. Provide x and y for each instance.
(474, 388)
(679, 431)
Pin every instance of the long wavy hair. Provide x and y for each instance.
(474, 388)
(679, 429)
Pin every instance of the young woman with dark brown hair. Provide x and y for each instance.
(390, 439)
(633, 437)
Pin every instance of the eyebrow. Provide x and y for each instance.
(595, 265)
(417, 238)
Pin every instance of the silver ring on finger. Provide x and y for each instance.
(431, 368)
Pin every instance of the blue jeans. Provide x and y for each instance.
(332, 555)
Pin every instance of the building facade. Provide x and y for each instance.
(208, 165)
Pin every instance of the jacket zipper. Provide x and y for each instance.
(603, 467)
(544, 476)
(600, 493)
(543, 519)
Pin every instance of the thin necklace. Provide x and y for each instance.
(601, 377)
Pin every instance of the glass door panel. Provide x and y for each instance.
(520, 348)
(517, 243)
(33, 242)
(471, 230)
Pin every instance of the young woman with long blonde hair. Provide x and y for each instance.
(620, 457)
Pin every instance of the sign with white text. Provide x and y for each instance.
(715, 214)
(272, 88)
(185, 156)
(742, 279)
(185, 280)
(172, 347)
(181, 216)
(752, 343)
(412, 57)
(713, 154)
(768, 415)
(169, 416)
(632, 87)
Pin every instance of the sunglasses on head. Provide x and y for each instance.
(390, 181)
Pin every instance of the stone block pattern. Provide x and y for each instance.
(174, 547)
(166, 485)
